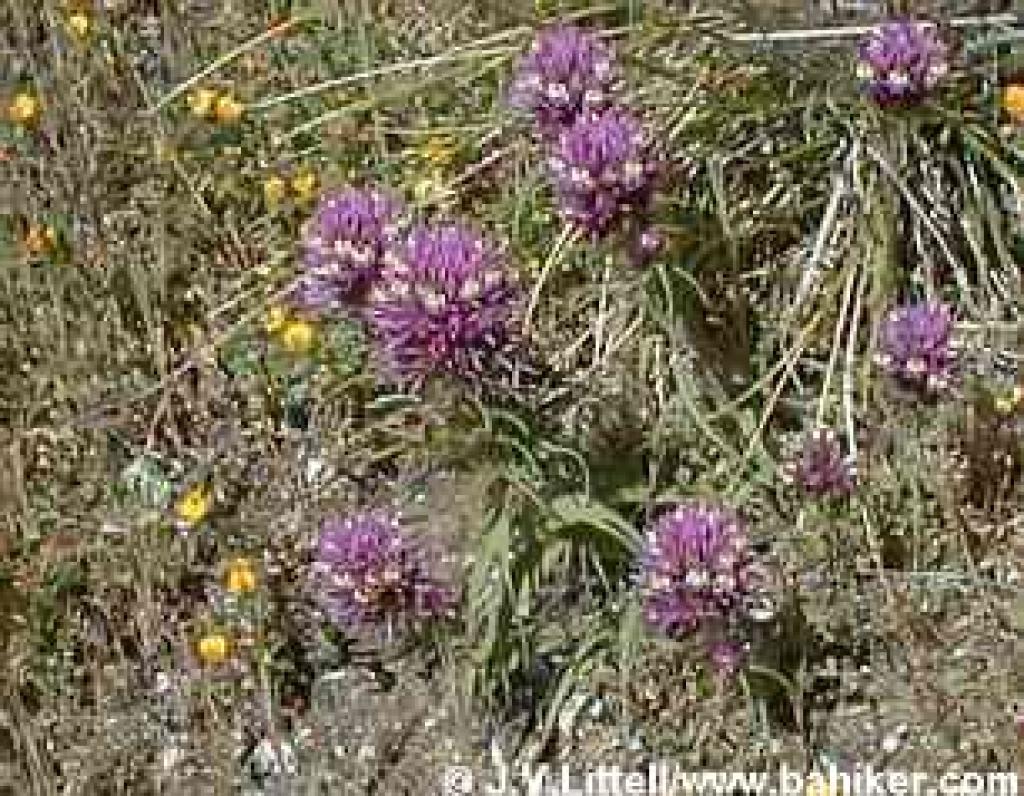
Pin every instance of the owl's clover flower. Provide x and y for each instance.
(372, 576)
(445, 306)
(902, 61)
(603, 171)
(568, 71)
(346, 243)
(917, 347)
(819, 467)
(695, 569)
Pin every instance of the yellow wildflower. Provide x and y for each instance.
(304, 184)
(1009, 401)
(213, 649)
(79, 24)
(194, 505)
(297, 336)
(1013, 102)
(438, 151)
(276, 319)
(39, 239)
(202, 101)
(274, 190)
(24, 108)
(227, 109)
(241, 577)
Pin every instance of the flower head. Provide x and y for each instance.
(567, 71)
(304, 184)
(902, 61)
(1009, 401)
(695, 568)
(297, 336)
(227, 109)
(445, 305)
(213, 649)
(274, 190)
(202, 102)
(916, 345)
(192, 508)
(819, 467)
(603, 171)
(438, 151)
(345, 245)
(39, 239)
(240, 577)
(24, 108)
(1013, 102)
(79, 24)
(374, 576)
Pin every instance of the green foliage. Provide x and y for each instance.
(137, 359)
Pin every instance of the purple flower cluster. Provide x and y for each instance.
(372, 576)
(567, 72)
(602, 171)
(819, 467)
(917, 347)
(695, 569)
(902, 61)
(439, 299)
(345, 246)
(601, 163)
(444, 305)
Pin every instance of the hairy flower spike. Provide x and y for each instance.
(819, 467)
(346, 242)
(902, 61)
(695, 568)
(568, 71)
(445, 305)
(916, 346)
(603, 171)
(374, 577)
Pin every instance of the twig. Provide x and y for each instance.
(851, 345)
(911, 200)
(227, 58)
(568, 235)
(849, 31)
(840, 189)
(834, 353)
(455, 54)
